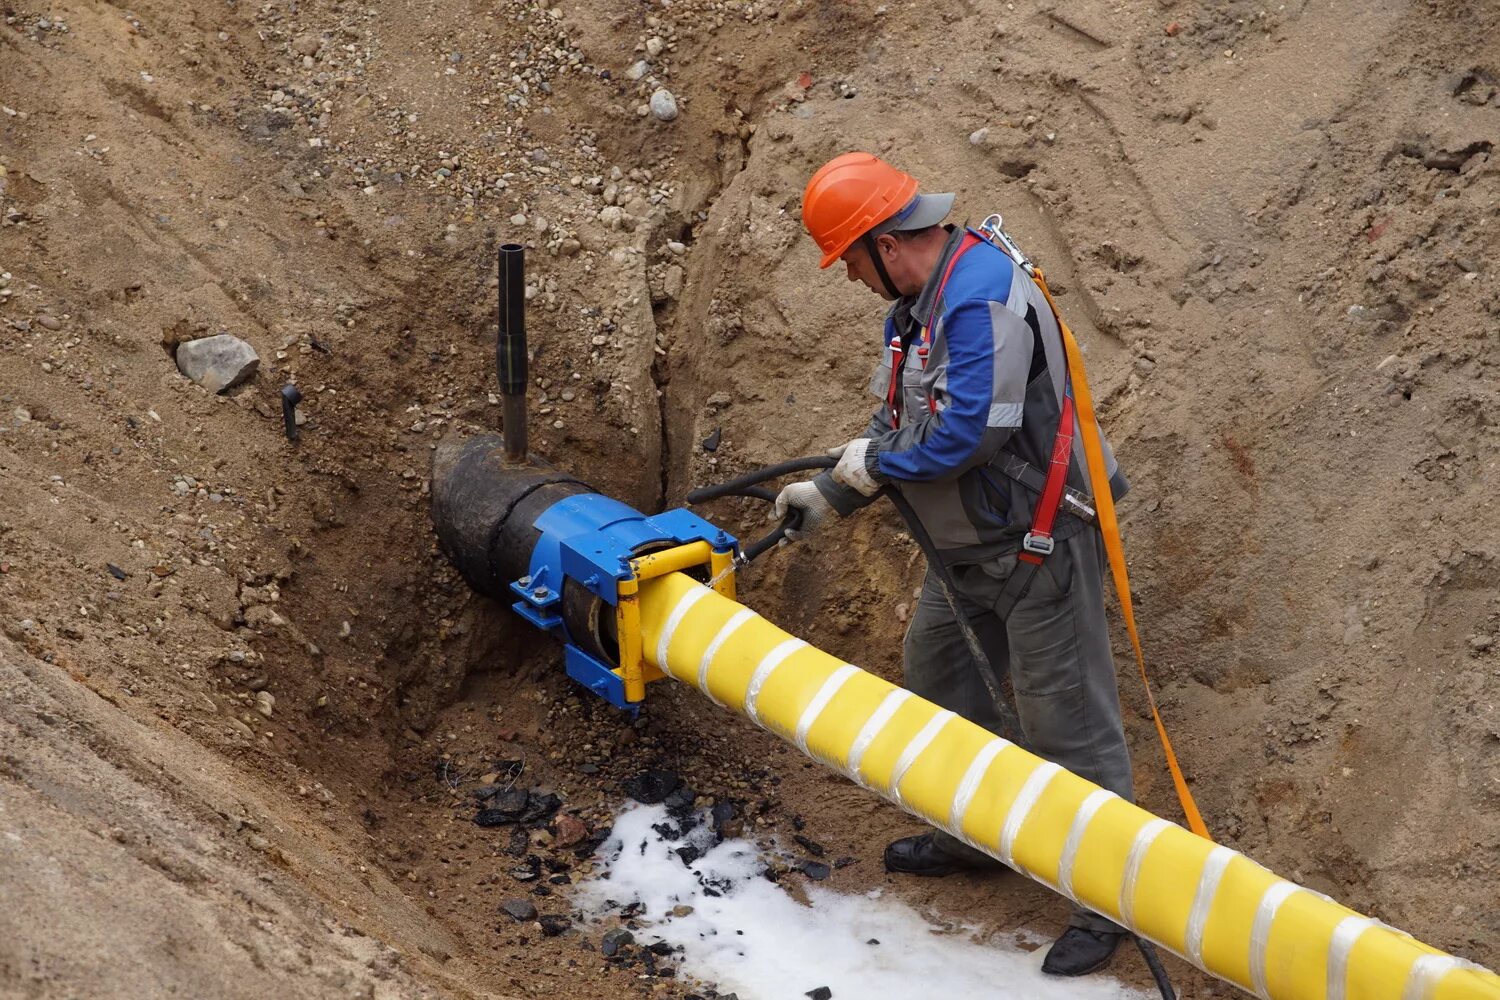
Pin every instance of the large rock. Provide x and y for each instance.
(217, 363)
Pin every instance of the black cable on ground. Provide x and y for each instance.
(1158, 971)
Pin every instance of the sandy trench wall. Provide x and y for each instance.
(1276, 258)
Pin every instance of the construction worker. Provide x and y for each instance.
(973, 391)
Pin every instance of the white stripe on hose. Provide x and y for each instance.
(918, 745)
(768, 664)
(1144, 838)
(739, 618)
(1426, 972)
(1081, 821)
(820, 701)
(684, 604)
(871, 729)
(1203, 902)
(968, 785)
(1260, 930)
(1345, 933)
(1021, 808)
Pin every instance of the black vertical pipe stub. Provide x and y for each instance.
(510, 349)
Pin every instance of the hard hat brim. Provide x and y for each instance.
(922, 211)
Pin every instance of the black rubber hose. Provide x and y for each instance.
(1158, 971)
(737, 487)
(1010, 724)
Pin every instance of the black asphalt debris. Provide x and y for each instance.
(614, 940)
(554, 924)
(821, 993)
(809, 845)
(523, 808)
(652, 787)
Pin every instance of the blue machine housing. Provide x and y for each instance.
(591, 539)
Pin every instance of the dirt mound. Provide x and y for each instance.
(239, 673)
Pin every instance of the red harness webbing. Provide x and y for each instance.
(893, 393)
(1039, 538)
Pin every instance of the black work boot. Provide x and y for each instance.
(921, 855)
(1080, 951)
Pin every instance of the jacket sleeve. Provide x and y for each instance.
(983, 392)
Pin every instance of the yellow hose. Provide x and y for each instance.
(1207, 903)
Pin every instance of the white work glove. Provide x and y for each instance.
(807, 498)
(857, 468)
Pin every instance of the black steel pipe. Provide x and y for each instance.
(485, 508)
(510, 349)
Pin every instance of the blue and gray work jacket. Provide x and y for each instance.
(988, 399)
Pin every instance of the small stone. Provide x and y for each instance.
(672, 282)
(519, 219)
(681, 910)
(265, 703)
(614, 940)
(663, 105)
(711, 443)
(569, 248)
(1480, 643)
(519, 910)
(675, 248)
(217, 363)
(568, 830)
(821, 993)
(977, 137)
(115, 571)
(49, 322)
(654, 46)
(637, 70)
(306, 45)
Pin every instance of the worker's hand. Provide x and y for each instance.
(807, 498)
(858, 468)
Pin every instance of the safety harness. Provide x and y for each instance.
(1038, 543)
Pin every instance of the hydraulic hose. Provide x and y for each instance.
(748, 486)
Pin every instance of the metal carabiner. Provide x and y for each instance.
(992, 230)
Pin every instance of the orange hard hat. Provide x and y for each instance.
(850, 195)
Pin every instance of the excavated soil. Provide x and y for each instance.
(244, 701)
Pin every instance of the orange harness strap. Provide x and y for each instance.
(1109, 526)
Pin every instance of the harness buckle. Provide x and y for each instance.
(1041, 545)
(1079, 505)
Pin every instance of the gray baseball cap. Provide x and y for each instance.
(922, 211)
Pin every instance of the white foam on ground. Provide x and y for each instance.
(755, 940)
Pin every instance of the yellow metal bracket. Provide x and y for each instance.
(633, 668)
